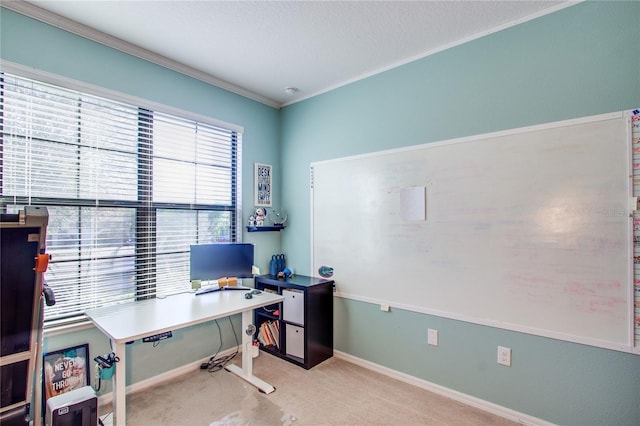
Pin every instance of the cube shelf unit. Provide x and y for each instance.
(305, 318)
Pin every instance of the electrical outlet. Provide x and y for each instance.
(432, 337)
(504, 356)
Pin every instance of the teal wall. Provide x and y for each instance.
(32, 44)
(579, 61)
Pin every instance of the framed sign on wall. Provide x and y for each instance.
(263, 178)
(65, 370)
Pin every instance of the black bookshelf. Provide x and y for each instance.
(306, 329)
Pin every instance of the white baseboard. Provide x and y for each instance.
(164, 377)
(472, 401)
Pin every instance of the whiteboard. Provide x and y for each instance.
(527, 230)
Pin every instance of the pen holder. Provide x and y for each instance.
(106, 373)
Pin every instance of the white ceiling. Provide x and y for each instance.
(259, 48)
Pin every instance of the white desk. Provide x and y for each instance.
(132, 321)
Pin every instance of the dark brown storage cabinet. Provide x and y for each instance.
(304, 319)
(22, 238)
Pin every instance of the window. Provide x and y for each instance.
(128, 190)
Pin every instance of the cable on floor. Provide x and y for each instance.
(218, 363)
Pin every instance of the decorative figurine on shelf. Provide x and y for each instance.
(278, 217)
(252, 220)
(261, 214)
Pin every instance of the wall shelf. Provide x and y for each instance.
(265, 228)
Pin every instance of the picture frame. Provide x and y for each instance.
(65, 370)
(263, 185)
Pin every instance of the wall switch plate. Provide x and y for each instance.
(504, 356)
(384, 307)
(432, 337)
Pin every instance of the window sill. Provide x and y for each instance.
(57, 328)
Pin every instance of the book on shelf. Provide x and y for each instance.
(269, 333)
(262, 338)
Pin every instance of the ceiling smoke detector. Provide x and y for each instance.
(291, 90)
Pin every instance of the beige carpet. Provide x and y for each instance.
(335, 392)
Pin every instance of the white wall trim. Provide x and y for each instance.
(35, 12)
(422, 55)
(165, 377)
(472, 401)
(114, 95)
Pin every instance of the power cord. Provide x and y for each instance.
(100, 422)
(99, 380)
(269, 310)
(217, 364)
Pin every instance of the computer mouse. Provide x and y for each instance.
(248, 296)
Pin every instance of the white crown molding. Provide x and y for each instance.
(35, 12)
(24, 8)
(47, 77)
(422, 55)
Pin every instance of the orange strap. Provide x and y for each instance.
(42, 263)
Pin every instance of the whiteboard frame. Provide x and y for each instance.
(632, 207)
(628, 348)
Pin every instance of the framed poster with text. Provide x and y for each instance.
(65, 370)
(263, 175)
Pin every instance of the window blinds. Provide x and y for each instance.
(128, 190)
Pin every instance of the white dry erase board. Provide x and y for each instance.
(527, 229)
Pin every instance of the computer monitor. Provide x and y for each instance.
(213, 261)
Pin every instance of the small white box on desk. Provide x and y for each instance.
(293, 306)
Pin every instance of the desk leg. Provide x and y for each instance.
(246, 372)
(120, 387)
